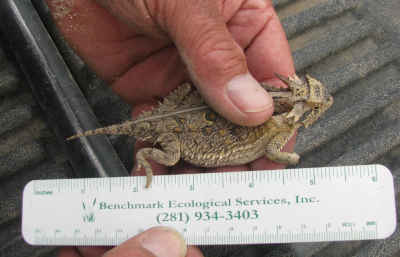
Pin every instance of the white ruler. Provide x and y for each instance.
(280, 206)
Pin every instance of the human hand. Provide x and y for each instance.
(146, 48)
(155, 242)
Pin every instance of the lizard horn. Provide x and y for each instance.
(283, 78)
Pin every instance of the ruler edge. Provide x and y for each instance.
(378, 167)
(393, 200)
(26, 238)
(142, 179)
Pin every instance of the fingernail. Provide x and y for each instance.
(164, 242)
(247, 94)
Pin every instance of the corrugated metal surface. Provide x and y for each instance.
(353, 46)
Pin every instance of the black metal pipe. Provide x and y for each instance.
(56, 91)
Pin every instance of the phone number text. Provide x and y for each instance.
(206, 216)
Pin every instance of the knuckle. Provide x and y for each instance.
(155, 12)
(220, 53)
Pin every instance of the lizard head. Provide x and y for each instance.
(312, 93)
(311, 90)
(318, 93)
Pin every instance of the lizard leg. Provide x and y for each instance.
(168, 155)
(297, 112)
(274, 147)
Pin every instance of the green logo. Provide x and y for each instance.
(88, 210)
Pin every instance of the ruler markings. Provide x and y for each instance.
(350, 228)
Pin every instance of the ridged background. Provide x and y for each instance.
(353, 46)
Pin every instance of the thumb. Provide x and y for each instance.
(155, 242)
(217, 64)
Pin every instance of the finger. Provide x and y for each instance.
(107, 45)
(89, 251)
(231, 168)
(193, 251)
(68, 252)
(248, 21)
(266, 164)
(157, 241)
(151, 79)
(186, 168)
(217, 63)
(269, 52)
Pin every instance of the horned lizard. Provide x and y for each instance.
(184, 127)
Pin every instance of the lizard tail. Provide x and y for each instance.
(117, 129)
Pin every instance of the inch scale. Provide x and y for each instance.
(251, 207)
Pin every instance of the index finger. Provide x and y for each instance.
(269, 52)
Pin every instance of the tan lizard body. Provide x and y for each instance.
(185, 128)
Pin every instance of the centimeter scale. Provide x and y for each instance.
(250, 207)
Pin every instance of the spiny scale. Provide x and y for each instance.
(121, 129)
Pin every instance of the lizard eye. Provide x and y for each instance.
(210, 116)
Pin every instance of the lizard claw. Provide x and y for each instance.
(148, 172)
(294, 115)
